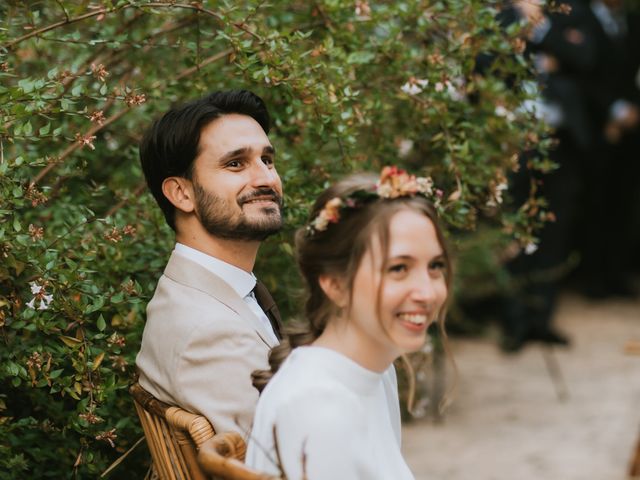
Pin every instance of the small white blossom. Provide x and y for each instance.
(414, 86)
(425, 185)
(503, 112)
(454, 92)
(40, 295)
(530, 248)
(404, 147)
(384, 190)
(496, 194)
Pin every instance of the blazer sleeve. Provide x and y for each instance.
(213, 374)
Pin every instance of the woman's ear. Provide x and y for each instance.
(335, 289)
(179, 191)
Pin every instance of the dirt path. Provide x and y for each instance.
(507, 423)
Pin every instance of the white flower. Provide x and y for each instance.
(530, 248)
(497, 195)
(503, 112)
(454, 92)
(320, 223)
(404, 147)
(384, 190)
(39, 294)
(35, 288)
(414, 86)
(425, 185)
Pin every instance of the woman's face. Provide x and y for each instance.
(413, 288)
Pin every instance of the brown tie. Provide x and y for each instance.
(268, 304)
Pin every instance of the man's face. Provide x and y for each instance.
(238, 193)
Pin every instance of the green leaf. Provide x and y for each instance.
(101, 324)
(12, 368)
(360, 57)
(70, 341)
(98, 303)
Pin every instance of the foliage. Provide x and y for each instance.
(351, 85)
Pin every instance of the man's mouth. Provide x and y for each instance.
(261, 197)
(269, 199)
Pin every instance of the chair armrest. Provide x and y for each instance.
(221, 456)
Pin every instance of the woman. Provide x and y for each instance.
(377, 274)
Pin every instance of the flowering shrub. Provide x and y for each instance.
(350, 85)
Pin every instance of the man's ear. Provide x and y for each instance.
(335, 288)
(179, 191)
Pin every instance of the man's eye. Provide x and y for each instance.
(233, 164)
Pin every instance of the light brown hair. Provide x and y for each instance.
(338, 251)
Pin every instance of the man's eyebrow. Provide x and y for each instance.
(269, 149)
(239, 152)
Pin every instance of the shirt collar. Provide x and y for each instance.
(241, 281)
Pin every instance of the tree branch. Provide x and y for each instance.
(96, 128)
(104, 11)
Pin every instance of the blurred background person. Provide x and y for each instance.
(560, 50)
(607, 231)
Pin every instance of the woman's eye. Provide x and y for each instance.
(437, 265)
(267, 160)
(398, 268)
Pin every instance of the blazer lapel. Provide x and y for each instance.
(193, 275)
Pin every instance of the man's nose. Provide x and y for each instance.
(264, 174)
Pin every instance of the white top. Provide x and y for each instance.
(339, 418)
(241, 281)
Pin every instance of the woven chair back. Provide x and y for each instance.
(184, 445)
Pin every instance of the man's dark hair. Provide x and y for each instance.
(170, 146)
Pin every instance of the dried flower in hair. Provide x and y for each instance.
(393, 183)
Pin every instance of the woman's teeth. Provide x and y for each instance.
(415, 318)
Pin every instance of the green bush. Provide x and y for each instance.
(350, 84)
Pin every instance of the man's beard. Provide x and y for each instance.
(217, 217)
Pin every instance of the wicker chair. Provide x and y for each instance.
(184, 446)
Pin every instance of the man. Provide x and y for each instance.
(210, 167)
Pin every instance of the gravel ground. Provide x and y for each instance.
(510, 421)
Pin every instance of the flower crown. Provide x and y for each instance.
(393, 183)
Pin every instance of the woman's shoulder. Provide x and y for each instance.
(304, 379)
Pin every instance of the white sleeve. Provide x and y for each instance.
(324, 436)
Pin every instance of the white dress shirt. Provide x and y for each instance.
(241, 281)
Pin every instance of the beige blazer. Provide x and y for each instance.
(199, 346)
